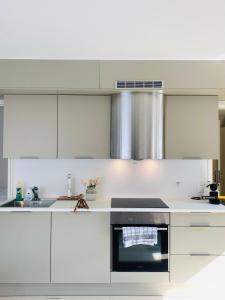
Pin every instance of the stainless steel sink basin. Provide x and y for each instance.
(38, 204)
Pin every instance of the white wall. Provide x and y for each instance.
(119, 177)
(112, 29)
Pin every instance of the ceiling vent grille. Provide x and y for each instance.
(139, 84)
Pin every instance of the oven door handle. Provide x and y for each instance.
(158, 228)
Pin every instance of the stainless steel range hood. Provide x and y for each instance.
(137, 125)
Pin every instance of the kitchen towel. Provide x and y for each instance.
(139, 236)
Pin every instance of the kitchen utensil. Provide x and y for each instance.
(81, 204)
(71, 198)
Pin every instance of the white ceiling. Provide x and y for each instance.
(112, 29)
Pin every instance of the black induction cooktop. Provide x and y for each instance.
(138, 203)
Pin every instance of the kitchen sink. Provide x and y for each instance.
(38, 204)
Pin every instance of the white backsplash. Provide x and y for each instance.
(173, 178)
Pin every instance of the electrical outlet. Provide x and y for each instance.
(178, 183)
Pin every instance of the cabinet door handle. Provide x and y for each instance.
(191, 157)
(20, 211)
(83, 157)
(29, 157)
(199, 254)
(199, 212)
(200, 226)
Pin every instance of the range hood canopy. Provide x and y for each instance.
(137, 125)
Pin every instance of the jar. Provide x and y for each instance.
(91, 193)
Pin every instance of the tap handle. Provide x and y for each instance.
(35, 192)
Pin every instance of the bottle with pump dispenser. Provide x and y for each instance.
(19, 191)
(28, 195)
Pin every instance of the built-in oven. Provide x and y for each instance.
(140, 257)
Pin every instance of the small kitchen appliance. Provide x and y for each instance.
(213, 197)
(213, 193)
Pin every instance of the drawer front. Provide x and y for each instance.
(139, 277)
(198, 240)
(197, 269)
(197, 219)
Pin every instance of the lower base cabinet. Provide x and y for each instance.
(197, 269)
(25, 247)
(197, 240)
(80, 251)
(140, 277)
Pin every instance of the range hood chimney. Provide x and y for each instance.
(137, 125)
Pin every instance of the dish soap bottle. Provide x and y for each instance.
(19, 191)
(28, 195)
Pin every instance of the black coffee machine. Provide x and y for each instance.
(213, 193)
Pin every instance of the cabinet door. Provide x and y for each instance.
(197, 219)
(80, 247)
(49, 74)
(113, 70)
(25, 247)
(84, 126)
(222, 161)
(191, 127)
(197, 269)
(30, 126)
(198, 240)
(177, 74)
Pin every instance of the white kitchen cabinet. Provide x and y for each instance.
(176, 74)
(191, 127)
(25, 247)
(84, 126)
(114, 70)
(197, 248)
(201, 269)
(222, 159)
(80, 251)
(198, 240)
(140, 277)
(48, 75)
(197, 219)
(30, 126)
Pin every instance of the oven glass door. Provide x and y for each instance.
(140, 258)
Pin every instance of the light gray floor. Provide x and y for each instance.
(105, 298)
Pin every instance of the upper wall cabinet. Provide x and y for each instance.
(176, 74)
(84, 126)
(49, 74)
(30, 126)
(191, 127)
(111, 71)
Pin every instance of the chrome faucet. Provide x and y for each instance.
(35, 192)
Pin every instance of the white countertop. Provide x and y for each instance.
(104, 205)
